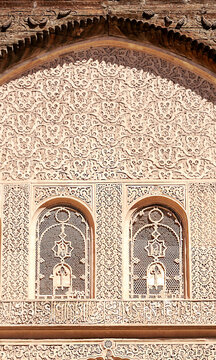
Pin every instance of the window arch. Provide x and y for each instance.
(158, 249)
(64, 253)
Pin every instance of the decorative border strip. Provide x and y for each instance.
(15, 235)
(83, 192)
(177, 192)
(107, 349)
(108, 241)
(92, 312)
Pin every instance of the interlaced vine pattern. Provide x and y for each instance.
(202, 198)
(134, 192)
(107, 113)
(108, 350)
(83, 192)
(15, 242)
(109, 241)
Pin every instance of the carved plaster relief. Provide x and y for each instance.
(15, 242)
(83, 192)
(202, 199)
(109, 241)
(107, 113)
(134, 192)
(104, 312)
(108, 350)
(203, 272)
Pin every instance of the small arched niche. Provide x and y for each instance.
(64, 250)
(158, 250)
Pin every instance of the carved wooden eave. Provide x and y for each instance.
(68, 32)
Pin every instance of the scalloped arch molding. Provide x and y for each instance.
(111, 29)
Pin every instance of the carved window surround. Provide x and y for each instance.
(52, 201)
(145, 201)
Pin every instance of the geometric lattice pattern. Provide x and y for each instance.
(63, 253)
(156, 254)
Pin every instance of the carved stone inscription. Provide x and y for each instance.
(15, 242)
(103, 312)
(107, 113)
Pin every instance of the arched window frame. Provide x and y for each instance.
(76, 204)
(177, 208)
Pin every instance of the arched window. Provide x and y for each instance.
(156, 253)
(62, 254)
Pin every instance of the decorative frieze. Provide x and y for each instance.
(107, 350)
(93, 312)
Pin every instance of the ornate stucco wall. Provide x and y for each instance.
(108, 349)
(107, 127)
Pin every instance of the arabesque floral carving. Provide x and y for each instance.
(107, 113)
(43, 192)
(135, 192)
(109, 241)
(15, 242)
(96, 350)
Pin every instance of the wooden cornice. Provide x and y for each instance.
(71, 32)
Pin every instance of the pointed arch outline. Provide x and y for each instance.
(179, 43)
(105, 40)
